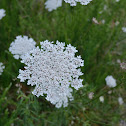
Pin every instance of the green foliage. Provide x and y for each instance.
(100, 45)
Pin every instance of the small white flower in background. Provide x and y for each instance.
(72, 123)
(117, 23)
(100, 12)
(123, 65)
(12, 124)
(101, 98)
(105, 7)
(124, 29)
(118, 61)
(110, 81)
(103, 21)
(122, 123)
(84, 109)
(21, 46)
(1, 68)
(53, 68)
(109, 92)
(117, 0)
(53, 4)
(74, 2)
(2, 13)
(95, 20)
(19, 86)
(91, 95)
(120, 100)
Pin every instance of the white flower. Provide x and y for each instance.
(120, 100)
(123, 65)
(105, 7)
(95, 20)
(2, 13)
(53, 70)
(117, 23)
(100, 12)
(124, 29)
(1, 68)
(21, 45)
(117, 0)
(109, 92)
(53, 4)
(118, 61)
(74, 2)
(91, 95)
(103, 21)
(101, 98)
(110, 81)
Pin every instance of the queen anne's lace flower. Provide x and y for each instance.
(74, 2)
(53, 70)
(53, 4)
(110, 81)
(21, 45)
(2, 13)
(1, 68)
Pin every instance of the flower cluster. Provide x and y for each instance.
(21, 45)
(53, 69)
(53, 4)
(1, 68)
(2, 13)
(110, 81)
(74, 2)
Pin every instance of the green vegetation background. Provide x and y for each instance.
(100, 45)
